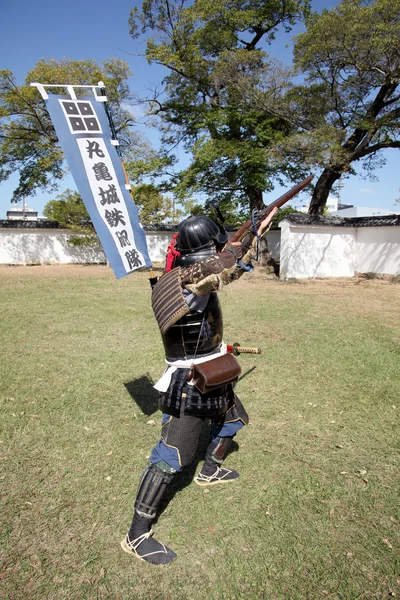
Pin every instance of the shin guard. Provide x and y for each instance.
(212, 473)
(152, 486)
(218, 449)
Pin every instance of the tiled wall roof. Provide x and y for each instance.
(303, 219)
(21, 224)
(295, 218)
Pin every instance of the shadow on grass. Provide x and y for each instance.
(143, 394)
(247, 373)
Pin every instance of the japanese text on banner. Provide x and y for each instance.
(108, 199)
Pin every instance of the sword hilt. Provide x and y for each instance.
(237, 349)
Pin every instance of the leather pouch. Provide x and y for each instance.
(212, 374)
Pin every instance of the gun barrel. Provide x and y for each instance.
(244, 229)
(287, 196)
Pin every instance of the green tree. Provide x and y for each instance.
(284, 212)
(200, 109)
(28, 142)
(70, 212)
(350, 103)
(153, 206)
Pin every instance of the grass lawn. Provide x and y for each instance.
(315, 513)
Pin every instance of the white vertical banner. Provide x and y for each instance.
(109, 200)
(84, 133)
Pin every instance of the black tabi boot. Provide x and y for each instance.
(212, 473)
(139, 541)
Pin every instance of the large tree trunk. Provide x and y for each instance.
(322, 189)
(265, 259)
(255, 198)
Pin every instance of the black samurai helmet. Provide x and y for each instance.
(198, 238)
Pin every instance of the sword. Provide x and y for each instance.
(237, 349)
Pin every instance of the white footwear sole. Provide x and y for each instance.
(205, 483)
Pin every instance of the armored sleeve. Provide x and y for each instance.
(225, 271)
(214, 265)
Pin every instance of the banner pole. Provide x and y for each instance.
(128, 186)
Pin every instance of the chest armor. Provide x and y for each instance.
(201, 330)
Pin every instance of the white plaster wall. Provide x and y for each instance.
(303, 251)
(44, 246)
(378, 250)
(274, 243)
(316, 251)
(157, 243)
(50, 246)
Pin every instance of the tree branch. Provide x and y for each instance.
(32, 111)
(392, 101)
(375, 148)
(376, 106)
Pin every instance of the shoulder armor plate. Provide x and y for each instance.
(168, 301)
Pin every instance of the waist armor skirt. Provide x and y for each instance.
(210, 405)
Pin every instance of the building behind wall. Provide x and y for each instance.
(354, 212)
(25, 214)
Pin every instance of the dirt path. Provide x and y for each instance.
(366, 295)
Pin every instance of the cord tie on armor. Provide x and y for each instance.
(249, 268)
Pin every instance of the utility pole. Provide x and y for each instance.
(339, 192)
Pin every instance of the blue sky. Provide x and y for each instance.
(32, 30)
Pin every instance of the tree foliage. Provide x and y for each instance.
(347, 109)
(350, 104)
(28, 142)
(202, 110)
(284, 212)
(69, 211)
(154, 207)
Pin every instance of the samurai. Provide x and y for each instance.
(200, 260)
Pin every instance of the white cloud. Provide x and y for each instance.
(366, 191)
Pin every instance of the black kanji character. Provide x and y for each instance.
(94, 148)
(133, 259)
(109, 196)
(101, 172)
(114, 217)
(123, 238)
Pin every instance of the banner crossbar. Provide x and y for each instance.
(70, 89)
